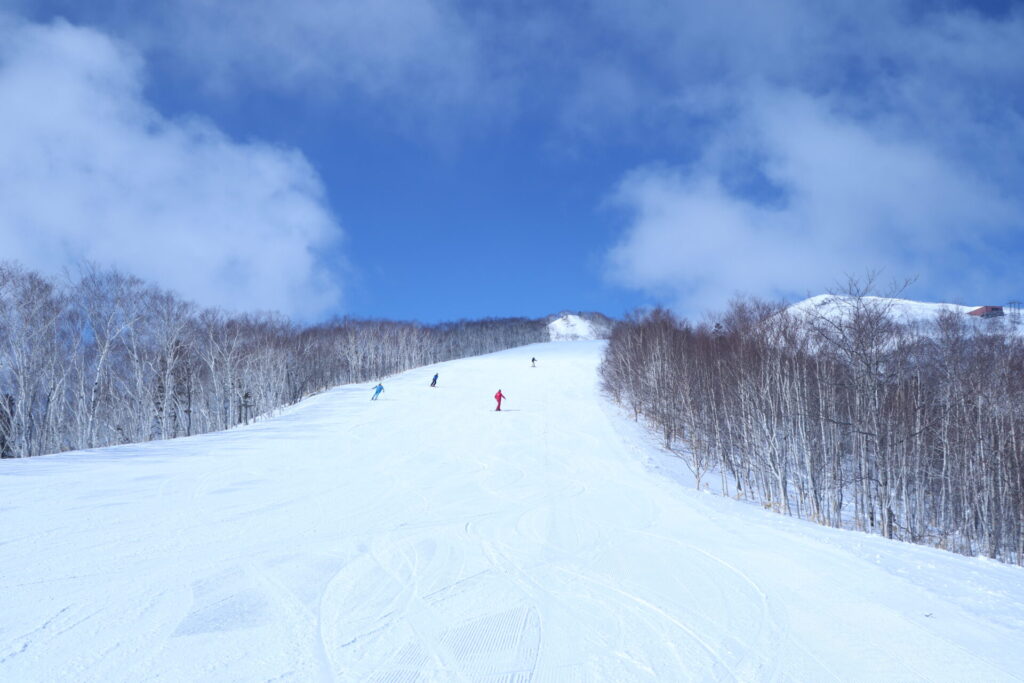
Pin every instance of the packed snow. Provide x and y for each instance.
(426, 536)
(569, 327)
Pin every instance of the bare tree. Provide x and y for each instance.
(847, 415)
(102, 358)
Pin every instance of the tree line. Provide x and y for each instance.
(103, 358)
(849, 416)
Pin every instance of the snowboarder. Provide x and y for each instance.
(376, 391)
(497, 397)
(534, 362)
(433, 382)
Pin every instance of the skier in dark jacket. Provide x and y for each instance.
(433, 382)
(534, 362)
(497, 397)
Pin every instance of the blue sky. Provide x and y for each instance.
(437, 159)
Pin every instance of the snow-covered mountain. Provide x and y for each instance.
(425, 536)
(903, 309)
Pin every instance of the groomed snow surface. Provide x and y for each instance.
(425, 536)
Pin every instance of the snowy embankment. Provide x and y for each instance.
(426, 536)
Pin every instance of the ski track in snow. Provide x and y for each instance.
(426, 537)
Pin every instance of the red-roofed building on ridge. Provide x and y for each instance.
(987, 312)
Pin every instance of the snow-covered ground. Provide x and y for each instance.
(904, 310)
(569, 327)
(427, 537)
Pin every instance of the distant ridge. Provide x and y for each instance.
(904, 309)
(918, 314)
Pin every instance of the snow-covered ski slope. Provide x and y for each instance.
(569, 327)
(427, 537)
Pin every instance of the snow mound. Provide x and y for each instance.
(570, 327)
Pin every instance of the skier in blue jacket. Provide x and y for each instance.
(376, 391)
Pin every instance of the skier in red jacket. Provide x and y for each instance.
(497, 397)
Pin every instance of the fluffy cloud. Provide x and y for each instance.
(833, 199)
(841, 142)
(88, 170)
(765, 147)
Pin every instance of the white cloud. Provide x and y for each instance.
(841, 198)
(89, 170)
(843, 138)
(799, 139)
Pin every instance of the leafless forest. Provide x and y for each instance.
(102, 358)
(911, 430)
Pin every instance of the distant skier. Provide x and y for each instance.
(376, 391)
(433, 382)
(534, 361)
(497, 397)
